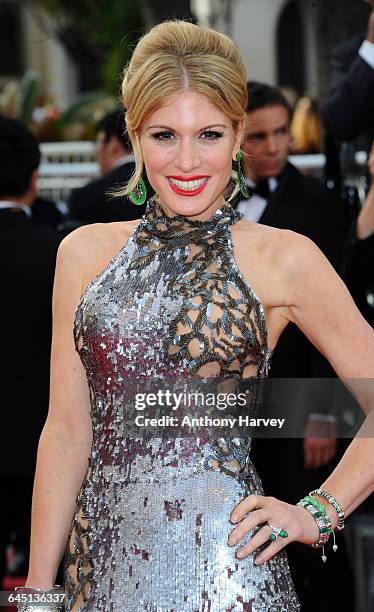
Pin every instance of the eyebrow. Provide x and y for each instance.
(263, 132)
(207, 127)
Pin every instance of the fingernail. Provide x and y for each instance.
(234, 518)
(240, 554)
(232, 541)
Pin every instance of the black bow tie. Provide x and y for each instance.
(262, 189)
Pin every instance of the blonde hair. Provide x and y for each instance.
(306, 130)
(174, 56)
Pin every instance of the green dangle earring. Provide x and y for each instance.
(138, 195)
(240, 178)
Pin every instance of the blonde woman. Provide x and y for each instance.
(189, 291)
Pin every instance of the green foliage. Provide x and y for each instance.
(106, 31)
(82, 106)
(28, 94)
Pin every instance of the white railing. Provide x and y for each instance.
(77, 151)
(69, 169)
(317, 161)
(67, 165)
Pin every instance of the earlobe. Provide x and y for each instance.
(240, 134)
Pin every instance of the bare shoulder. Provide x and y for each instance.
(299, 269)
(285, 249)
(88, 249)
(302, 264)
(97, 236)
(275, 261)
(263, 238)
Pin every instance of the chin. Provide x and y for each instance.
(189, 206)
(266, 174)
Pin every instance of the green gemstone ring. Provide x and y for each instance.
(276, 532)
(273, 537)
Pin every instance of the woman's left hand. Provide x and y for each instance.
(256, 510)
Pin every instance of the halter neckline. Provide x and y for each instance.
(158, 223)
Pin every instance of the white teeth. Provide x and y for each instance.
(188, 185)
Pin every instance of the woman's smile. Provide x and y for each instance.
(188, 186)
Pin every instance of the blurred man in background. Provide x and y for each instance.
(348, 114)
(27, 255)
(94, 203)
(348, 111)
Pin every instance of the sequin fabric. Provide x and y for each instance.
(151, 524)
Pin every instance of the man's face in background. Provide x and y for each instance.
(267, 142)
(103, 145)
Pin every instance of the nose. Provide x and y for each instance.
(187, 156)
(272, 145)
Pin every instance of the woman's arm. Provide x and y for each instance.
(324, 310)
(320, 304)
(65, 441)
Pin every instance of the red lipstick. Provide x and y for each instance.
(188, 192)
(188, 178)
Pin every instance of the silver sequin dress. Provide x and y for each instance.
(151, 524)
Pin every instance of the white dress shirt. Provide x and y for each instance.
(366, 51)
(254, 207)
(9, 204)
(126, 159)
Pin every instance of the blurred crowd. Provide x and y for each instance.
(329, 210)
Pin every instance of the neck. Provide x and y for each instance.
(24, 200)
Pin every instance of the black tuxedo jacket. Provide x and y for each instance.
(348, 110)
(93, 204)
(27, 255)
(348, 113)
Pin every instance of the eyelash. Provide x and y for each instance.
(213, 135)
